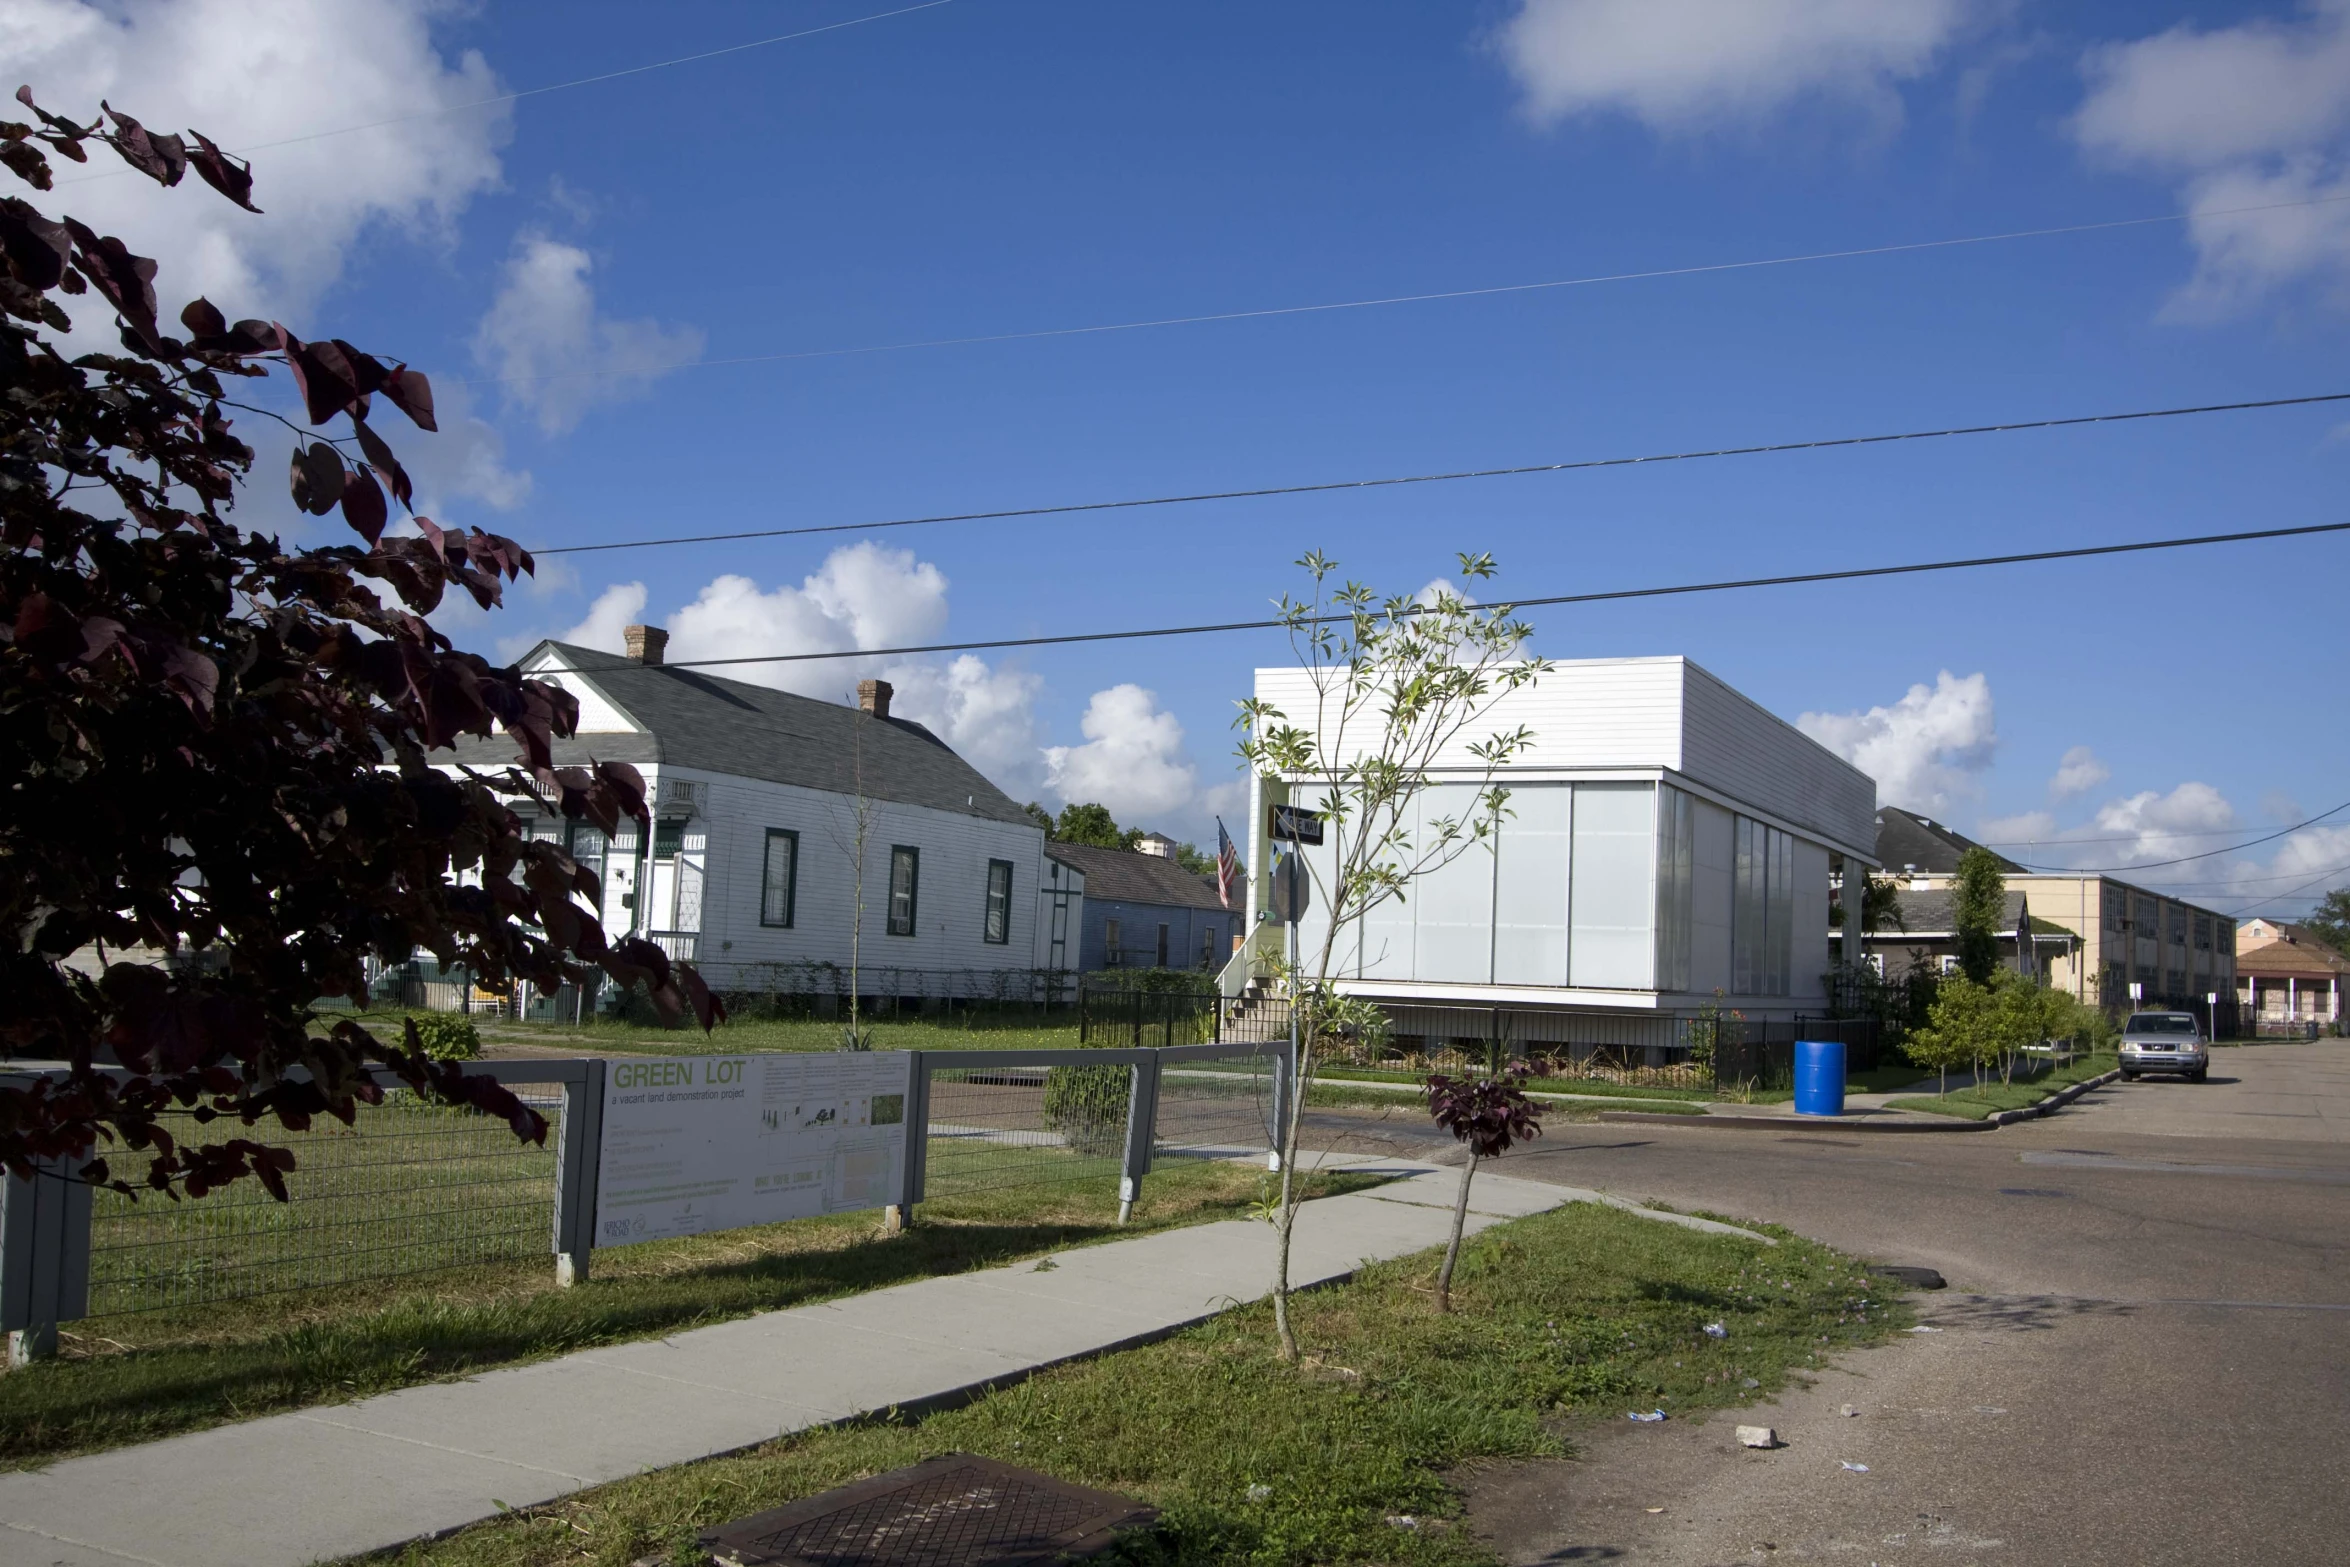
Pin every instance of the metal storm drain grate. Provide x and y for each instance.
(955, 1511)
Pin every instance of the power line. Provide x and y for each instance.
(1610, 596)
(2284, 896)
(2188, 859)
(1326, 307)
(1324, 488)
(533, 92)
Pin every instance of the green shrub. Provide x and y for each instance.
(448, 1036)
(1087, 1106)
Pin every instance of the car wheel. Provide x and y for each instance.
(2129, 1077)
(2199, 1074)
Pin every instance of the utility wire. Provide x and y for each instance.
(1330, 486)
(1613, 595)
(1443, 294)
(2188, 859)
(2281, 897)
(533, 92)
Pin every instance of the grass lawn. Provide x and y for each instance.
(1561, 1320)
(1983, 1102)
(1580, 1086)
(136, 1376)
(1352, 1093)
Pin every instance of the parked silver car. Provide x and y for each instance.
(2165, 1042)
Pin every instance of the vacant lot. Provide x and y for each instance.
(1563, 1319)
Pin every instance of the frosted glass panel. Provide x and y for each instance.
(1530, 898)
(1453, 922)
(1612, 941)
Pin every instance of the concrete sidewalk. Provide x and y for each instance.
(433, 1458)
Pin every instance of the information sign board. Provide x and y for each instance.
(1296, 824)
(698, 1143)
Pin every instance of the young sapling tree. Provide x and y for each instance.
(1395, 689)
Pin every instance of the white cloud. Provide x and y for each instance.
(1691, 64)
(2029, 828)
(2165, 826)
(247, 72)
(555, 353)
(2077, 772)
(863, 596)
(1924, 750)
(987, 715)
(1133, 759)
(616, 608)
(2247, 116)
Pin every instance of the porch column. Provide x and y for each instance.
(2292, 998)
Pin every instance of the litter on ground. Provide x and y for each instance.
(1651, 1418)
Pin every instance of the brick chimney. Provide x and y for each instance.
(645, 644)
(873, 696)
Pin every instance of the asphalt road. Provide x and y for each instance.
(2143, 1355)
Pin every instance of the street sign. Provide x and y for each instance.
(1291, 891)
(1291, 824)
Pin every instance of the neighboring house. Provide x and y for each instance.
(1667, 839)
(1927, 940)
(2285, 978)
(2122, 934)
(1142, 910)
(750, 870)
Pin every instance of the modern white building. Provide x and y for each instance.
(1666, 839)
(760, 799)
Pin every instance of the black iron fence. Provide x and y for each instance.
(1140, 1018)
(1760, 1053)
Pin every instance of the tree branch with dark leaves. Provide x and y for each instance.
(221, 751)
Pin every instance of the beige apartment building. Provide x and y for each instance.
(2095, 935)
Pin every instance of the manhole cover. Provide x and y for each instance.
(955, 1511)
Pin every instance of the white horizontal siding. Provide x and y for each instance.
(1586, 713)
(1732, 744)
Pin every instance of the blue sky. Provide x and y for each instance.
(561, 262)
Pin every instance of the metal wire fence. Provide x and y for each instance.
(995, 1127)
(1216, 1106)
(413, 1188)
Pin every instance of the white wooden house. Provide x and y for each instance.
(760, 799)
(1666, 838)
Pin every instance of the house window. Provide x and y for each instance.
(1162, 946)
(1110, 951)
(668, 839)
(2203, 933)
(1207, 948)
(999, 903)
(905, 881)
(587, 847)
(780, 881)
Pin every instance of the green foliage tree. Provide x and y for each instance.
(1976, 900)
(2329, 922)
(1093, 826)
(1961, 1029)
(1396, 685)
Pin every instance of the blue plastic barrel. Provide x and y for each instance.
(1819, 1077)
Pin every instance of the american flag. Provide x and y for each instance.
(1227, 865)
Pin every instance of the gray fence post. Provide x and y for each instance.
(576, 1171)
(44, 1257)
(1284, 1084)
(1142, 1125)
(901, 1215)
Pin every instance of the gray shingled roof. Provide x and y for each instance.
(1906, 838)
(1926, 914)
(1125, 876)
(727, 726)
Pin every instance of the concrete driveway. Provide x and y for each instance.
(2143, 1355)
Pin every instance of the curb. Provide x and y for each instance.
(1779, 1123)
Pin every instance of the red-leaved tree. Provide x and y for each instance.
(217, 750)
(1488, 1114)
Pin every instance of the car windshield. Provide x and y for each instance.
(2160, 1023)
